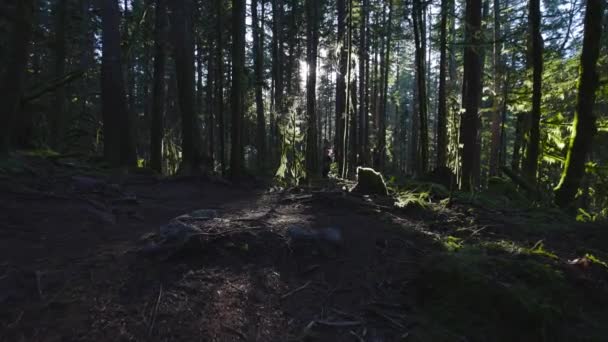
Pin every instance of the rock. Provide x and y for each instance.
(330, 234)
(370, 182)
(177, 230)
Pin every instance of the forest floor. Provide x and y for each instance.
(78, 262)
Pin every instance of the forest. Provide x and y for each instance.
(348, 170)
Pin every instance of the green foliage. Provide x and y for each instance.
(292, 166)
(412, 199)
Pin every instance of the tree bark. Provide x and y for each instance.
(57, 115)
(238, 81)
(158, 90)
(116, 121)
(420, 60)
(312, 37)
(219, 84)
(363, 62)
(442, 98)
(584, 121)
(471, 93)
(258, 60)
(496, 100)
(11, 87)
(536, 62)
(341, 84)
(183, 40)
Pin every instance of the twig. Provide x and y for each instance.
(296, 290)
(338, 323)
(387, 317)
(359, 338)
(235, 331)
(160, 293)
(16, 322)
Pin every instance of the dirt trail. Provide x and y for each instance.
(72, 270)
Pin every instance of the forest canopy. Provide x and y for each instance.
(467, 93)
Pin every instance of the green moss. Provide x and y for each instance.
(502, 292)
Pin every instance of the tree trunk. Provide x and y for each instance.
(258, 60)
(158, 90)
(341, 84)
(442, 99)
(183, 40)
(116, 121)
(584, 121)
(471, 93)
(363, 62)
(420, 58)
(496, 101)
(238, 81)
(384, 89)
(312, 38)
(536, 62)
(57, 114)
(219, 84)
(11, 85)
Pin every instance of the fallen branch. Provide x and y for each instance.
(53, 84)
(160, 293)
(296, 290)
(517, 179)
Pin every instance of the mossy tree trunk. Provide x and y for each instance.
(584, 120)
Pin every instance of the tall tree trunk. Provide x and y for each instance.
(442, 99)
(57, 114)
(312, 38)
(183, 40)
(420, 58)
(277, 105)
(341, 84)
(116, 121)
(11, 85)
(258, 60)
(363, 62)
(219, 84)
(584, 121)
(238, 81)
(384, 89)
(200, 91)
(536, 62)
(496, 100)
(210, 89)
(158, 90)
(471, 93)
